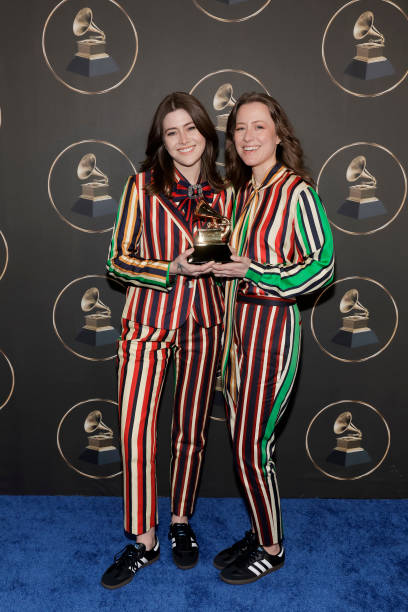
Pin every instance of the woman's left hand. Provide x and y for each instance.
(236, 268)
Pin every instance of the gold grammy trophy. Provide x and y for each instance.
(210, 239)
(94, 200)
(369, 61)
(362, 202)
(91, 58)
(354, 331)
(348, 450)
(97, 330)
(100, 449)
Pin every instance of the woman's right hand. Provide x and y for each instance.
(180, 265)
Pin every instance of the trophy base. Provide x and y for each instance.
(349, 459)
(98, 337)
(104, 456)
(95, 208)
(355, 339)
(367, 70)
(220, 253)
(89, 67)
(362, 210)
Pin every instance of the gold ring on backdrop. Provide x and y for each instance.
(3, 271)
(342, 280)
(225, 20)
(71, 350)
(351, 477)
(404, 176)
(59, 443)
(83, 91)
(326, 67)
(71, 146)
(13, 379)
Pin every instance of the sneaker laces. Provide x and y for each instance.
(248, 541)
(183, 534)
(129, 556)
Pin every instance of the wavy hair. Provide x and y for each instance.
(161, 163)
(289, 150)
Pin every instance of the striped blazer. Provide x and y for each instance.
(149, 233)
(282, 227)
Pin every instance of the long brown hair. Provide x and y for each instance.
(289, 150)
(157, 158)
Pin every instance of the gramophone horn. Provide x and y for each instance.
(365, 26)
(223, 97)
(93, 423)
(87, 169)
(90, 300)
(357, 170)
(84, 24)
(343, 425)
(350, 302)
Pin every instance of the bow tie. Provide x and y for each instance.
(183, 190)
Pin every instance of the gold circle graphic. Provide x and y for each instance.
(84, 91)
(2, 273)
(326, 67)
(404, 176)
(71, 146)
(96, 399)
(54, 324)
(342, 280)
(207, 76)
(352, 477)
(13, 379)
(236, 20)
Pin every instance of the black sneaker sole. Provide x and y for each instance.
(125, 582)
(254, 579)
(220, 567)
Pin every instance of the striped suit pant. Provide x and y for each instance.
(263, 363)
(144, 353)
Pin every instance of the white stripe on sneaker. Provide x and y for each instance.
(254, 570)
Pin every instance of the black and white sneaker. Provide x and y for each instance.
(229, 555)
(127, 562)
(184, 545)
(252, 565)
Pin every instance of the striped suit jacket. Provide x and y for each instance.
(149, 233)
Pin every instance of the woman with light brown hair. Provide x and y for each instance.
(283, 248)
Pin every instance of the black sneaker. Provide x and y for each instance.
(127, 562)
(229, 555)
(252, 565)
(184, 545)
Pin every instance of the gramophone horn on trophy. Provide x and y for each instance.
(348, 450)
(364, 26)
(94, 425)
(87, 169)
(369, 61)
(90, 301)
(357, 169)
(223, 99)
(354, 331)
(362, 202)
(84, 24)
(97, 330)
(350, 302)
(100, 449)
(343, 425)
(210, 237)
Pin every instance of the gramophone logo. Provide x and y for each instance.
(230, 11)
(363, 333)
(86, 325)
(355, 331)
(369, 61)
(348, 450)
(95, 200)
(81, 184)
(91, 58)
(373, 183)
(7, 379)
(337, 446)
(218, 91)
(379, 31)
(362, 201)
(97, 330)
(3, 255)
(90, 49)
(88, 439)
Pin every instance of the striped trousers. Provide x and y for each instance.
(258, 381)
(144, 353)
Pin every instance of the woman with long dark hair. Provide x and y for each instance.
(283, 248)
(173, 308)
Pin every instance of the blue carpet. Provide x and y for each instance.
(342, 555)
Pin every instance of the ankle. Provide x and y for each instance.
(148, 538)
(274, 549)
(175, 518)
